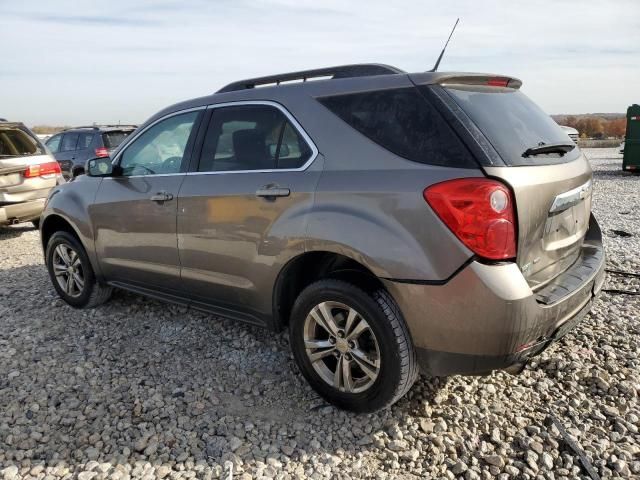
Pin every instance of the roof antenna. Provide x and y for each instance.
(435, 67)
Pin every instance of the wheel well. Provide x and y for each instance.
(309, 267)
(53, 224)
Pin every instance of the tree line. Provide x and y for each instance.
(596, 127)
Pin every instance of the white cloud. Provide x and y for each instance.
(76, 62)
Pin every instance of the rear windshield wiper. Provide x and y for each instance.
(543, 148)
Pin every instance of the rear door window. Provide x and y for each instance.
(404, 122)
(512, 123)
(252, 137)
(69, 142)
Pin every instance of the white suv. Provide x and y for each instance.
(27, 173)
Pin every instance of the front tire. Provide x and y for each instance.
(353, 347)
(71, 272)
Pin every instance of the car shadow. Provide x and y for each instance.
(13, 231)
(140, 380)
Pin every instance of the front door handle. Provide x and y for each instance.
(271, 192)
(161, 197)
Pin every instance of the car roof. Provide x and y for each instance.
(329, 81)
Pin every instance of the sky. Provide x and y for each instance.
(79, 62)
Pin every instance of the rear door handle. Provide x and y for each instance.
(269, 192)
(161, 197)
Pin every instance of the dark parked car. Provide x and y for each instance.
(392, 222)
(74, 146)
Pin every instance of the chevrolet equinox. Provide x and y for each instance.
(393, 222)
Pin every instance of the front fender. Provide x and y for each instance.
(70, 202)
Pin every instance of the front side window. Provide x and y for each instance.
(160, 149)
(69, 142)
(252, 137)
(53, 143)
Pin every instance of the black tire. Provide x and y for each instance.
(398, 365)
(92, 293)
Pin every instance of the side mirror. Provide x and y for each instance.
(100, 167)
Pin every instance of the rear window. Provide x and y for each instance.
(114, 138)
(18, 142)
(512, 123)
(403, 122)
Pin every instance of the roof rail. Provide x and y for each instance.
(98, 127)
(343, 71)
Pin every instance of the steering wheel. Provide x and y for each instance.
(172, 165)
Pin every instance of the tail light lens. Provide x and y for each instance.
(49, 168)
(102, 152)
(480, 212)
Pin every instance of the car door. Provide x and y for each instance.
(134, 213)
(241, 212)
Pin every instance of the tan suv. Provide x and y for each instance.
(392, 222)
(27, 174)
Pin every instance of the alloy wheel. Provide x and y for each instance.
(342, 347)
(67, 269)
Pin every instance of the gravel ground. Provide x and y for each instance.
(140, 389)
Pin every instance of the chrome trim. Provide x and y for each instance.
(572, 197)
(150, 175)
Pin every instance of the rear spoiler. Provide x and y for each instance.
(475, 79)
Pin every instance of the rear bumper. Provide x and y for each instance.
(487, 317)
(21, 212)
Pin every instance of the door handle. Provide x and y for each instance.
(271, 192)
(161, 197)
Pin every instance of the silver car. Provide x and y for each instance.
(27, 173)
(393, 222)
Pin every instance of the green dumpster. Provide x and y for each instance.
(631, 159)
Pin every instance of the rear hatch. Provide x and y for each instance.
(113, 138)
(20, 149)
(549, 176)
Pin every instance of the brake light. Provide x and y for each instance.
(102, 152)
(498, 82)
(480, 212)
(49, 168)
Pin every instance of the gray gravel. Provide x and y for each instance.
(140, 389)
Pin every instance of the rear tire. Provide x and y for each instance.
(71, 272)
(381, 361)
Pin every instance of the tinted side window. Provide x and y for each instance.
(252, 137)
(405, 123)
(69, 142)
(54, 143)
(84, 140)
(161, 148)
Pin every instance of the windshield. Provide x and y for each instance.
(114, 138)
(513, 124)
(17, 141)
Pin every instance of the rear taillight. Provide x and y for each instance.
(49, 168)
(480, 212)
(102, 152)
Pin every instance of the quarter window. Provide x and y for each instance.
(69, 142)
(84, 140)
(161, 149)
(252, 137)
